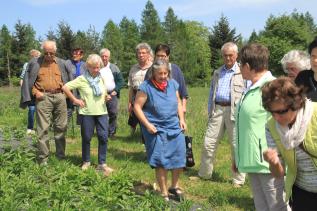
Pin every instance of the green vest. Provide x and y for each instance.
(310, 145)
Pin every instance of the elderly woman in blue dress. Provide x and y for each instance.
(159, 109)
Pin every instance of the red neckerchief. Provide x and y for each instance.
(160, 86)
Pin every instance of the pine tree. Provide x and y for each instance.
(111, 39)
(65, 40)
(151, 29)
(5, 55)
(130, 38)
(88, 40)
(220, 34)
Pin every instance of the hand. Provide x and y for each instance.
(79, 102)
(108, 97)
(130, 107)
(151, 128)
(183, 125)
(39, 95)
(271, 156)
(113, 93)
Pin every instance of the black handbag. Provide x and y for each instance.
(190, 162)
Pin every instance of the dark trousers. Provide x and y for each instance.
(31, 114)
(88, 124)
(112, 107)
(303, 200)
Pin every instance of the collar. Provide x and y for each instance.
(232, 69)
(266, 77)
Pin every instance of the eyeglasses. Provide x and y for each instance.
(159, 56)
(49, 54)
(280, 112)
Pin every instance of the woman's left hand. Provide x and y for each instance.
(108, 97)
(183, 125)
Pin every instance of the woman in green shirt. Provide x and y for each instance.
(92, 107)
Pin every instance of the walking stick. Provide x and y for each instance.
(73, 127)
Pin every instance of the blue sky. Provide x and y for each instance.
(244, 15)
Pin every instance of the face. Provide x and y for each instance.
(49, 52)
(94, 69)
(282, 114)
(313, 60)
(245, 71)
(229, 57)
(77, 56)
(143, 55)
(105, 57)
(162, 55)
(161, 75)
(293, 70)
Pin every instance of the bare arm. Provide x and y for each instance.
(130, 108)
(181, 112)
(70, 95)
(141, 98)
(184, 103)
(276, 168)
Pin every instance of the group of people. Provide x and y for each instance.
(270, 122)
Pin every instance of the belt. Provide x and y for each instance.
(223, 103)
(52, 91)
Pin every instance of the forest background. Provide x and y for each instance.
(194, 47)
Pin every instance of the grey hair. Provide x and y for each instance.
(34, 53)
(93, 60)
(158, 64)
(49, 42)
(231, 45)
(104, 50)
(297, 57)
(145, 46)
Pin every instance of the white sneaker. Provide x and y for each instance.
(106, 169)
(30, 132)
(85, 166)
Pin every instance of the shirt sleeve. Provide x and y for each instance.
(74, 84)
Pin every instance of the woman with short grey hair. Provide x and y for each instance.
(295, 61)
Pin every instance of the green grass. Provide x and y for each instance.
(63, 186)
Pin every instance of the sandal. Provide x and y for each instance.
(176, 192)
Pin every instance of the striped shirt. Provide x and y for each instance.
(306, 177)
(223, 93)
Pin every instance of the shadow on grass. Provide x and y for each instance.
(216, 176)
(119, 154)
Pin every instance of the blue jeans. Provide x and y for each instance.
(31, 113)
(88, 124)
(112, 108)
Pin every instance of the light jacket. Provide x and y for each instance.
(289, 156)
(250, 139)
(237, 86)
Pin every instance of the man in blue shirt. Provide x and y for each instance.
(227, 86)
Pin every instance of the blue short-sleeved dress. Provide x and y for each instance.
(167, 147)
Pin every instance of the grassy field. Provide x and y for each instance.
(63, 186)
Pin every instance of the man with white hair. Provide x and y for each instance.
(43, 83)
(226, 89)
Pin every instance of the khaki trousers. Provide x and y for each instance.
(217, 125)
(51, 111)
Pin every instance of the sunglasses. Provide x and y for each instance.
(280, 112)
(49, 54)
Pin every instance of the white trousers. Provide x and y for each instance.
(217, 125)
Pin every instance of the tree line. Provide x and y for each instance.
(194, 47)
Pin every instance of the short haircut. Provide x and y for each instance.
(231, 45)
(80, 50)
(158, 64)
(163, 47)
(256, 55)
(34, 53)
(312, 45)
(145, 46)
(284, 90)
(51, 43)
(104, 50)
(299, 58)
(94, 60)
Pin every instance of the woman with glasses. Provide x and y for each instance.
(292, 140)
(159, 109)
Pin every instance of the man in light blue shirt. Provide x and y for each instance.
(226, 88)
